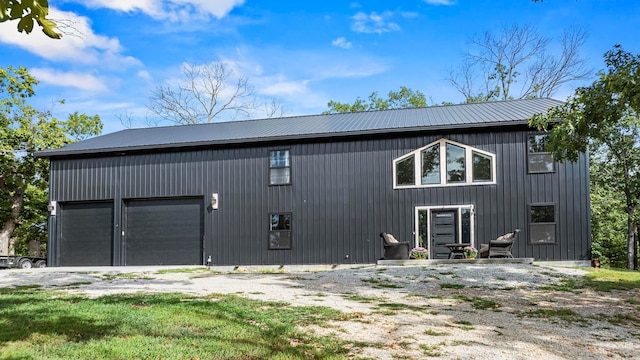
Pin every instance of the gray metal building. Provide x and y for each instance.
(317, 189)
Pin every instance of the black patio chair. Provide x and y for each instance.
(394, 249)
(500, 247)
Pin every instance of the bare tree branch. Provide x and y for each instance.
(207, 92)
(126, 119)
(515, 63)
(274, 109)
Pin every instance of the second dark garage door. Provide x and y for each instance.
(164, 231)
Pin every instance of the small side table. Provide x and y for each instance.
(457, 250)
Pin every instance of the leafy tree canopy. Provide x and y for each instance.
(404, 98)
(28, 13)
(597, 114)
(605, 118)
(23, 176)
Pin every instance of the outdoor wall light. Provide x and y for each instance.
(214, 201)
(52, 208)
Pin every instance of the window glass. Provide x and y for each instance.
(423, 235)
(466, 225)
(405, 171)
(538, 143)
(279, 158)
(280, 176)
(280, 231)
(431, 165)
(482, 167)
(542, 214)
(542, 226)
(541, 163)
(539, 159)
(455, 164)
(279, 167)
(542, 233)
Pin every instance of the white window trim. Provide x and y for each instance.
(458, 208)
(417, 181)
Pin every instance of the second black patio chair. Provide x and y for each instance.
(500, 247)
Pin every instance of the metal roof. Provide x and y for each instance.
(499, 113)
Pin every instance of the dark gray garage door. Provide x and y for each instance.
(86, 234)
(164, 232)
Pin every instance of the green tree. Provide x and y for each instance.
(608, 217)
(402, 99)
(604, 118)
(28, 13)
(23, 176)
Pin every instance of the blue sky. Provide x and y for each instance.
(303, 53)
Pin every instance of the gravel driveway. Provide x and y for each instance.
(459, 311)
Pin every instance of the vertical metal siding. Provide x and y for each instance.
(341, 196)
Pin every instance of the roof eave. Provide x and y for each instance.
(125, 149)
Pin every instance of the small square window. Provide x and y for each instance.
(280, 231)
(542, 224)
(279, 167)
(538, 158)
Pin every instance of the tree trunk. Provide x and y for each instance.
(10, 225)
(635, 253)
(631, 239)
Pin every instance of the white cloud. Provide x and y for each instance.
(356, 68)
(85, 48)
(373, 23)
(168, 9)
(342, 43)
(440, 2)
(298, 78)
(77, 80)
(279, 86)
(144, 74)
(150, 7)
(218, 8)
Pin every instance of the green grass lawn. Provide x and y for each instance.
(39, 324)
(610, 279)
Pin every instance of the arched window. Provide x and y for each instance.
(444, 163)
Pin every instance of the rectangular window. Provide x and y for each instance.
(405, 170)
(431, 165)
(280, 231)
(542, 224)
(538, 158)
(466, 224)
(279, 167)
(455, 164)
